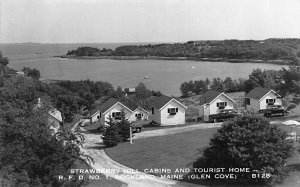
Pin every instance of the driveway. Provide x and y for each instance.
(175, 130)
(94, 147)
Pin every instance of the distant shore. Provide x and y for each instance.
(278, 62)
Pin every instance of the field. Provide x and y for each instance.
(180, 151)
(172, 151)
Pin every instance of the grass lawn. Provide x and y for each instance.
(180, 151)
(172, 151)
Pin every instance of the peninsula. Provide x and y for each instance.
(275, 51)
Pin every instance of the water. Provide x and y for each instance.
(164, 75)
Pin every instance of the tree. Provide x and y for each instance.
(119, 92)
(217, 84)
(89, 99)
(199, 87)
(229, 85)
(68, 105)
(34, 73)
(207, 82)
(248, 142)
(124, 127)
(30, 155)
(111, 136)
(186, 88)
(3, 60)
(142, 92)
(3, 65)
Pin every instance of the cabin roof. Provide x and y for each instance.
(160, 102)
(56, 114)
(209, 96)
(108, 104)
(105, 106)
(258, 93)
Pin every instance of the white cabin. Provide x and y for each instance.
(168, 111)
(111, 108)
(260, 98)
(139, 114)
(212, 102)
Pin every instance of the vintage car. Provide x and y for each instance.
(223, 115)
(274, 110)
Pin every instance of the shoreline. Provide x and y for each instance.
(276, 62)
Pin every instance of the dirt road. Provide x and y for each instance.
(95, 148)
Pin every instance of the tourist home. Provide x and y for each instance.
(260, 98)
(167, 111)
(54, 119)
(212, 102)
(112, 108)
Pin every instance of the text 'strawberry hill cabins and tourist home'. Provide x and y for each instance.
(213, 102)
(261, 98)
(167, 111)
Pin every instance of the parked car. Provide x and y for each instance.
(137, 127)
(275, 110)
(223, 115)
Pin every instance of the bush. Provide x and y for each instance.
(111, 136)
(248, 142)
(124, 128)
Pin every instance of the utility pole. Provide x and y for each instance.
(130, 134)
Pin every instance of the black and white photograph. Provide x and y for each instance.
(149, 93)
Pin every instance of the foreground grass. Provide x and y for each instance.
(172, 151)
(180, 151)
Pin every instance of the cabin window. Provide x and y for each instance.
(247, 101)
(221, 104)
(139, 115)
(116, 115)
(152, 110)
(98, 117)
(270, 101)
(172, 111)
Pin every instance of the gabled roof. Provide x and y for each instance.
(258, 93)
(107, 105)
(210, 96)
(141, 109)
(160, 102)
(56, 114)
(53, 112)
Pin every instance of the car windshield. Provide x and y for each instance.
(227, 111)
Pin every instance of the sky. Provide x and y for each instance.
(116, 21)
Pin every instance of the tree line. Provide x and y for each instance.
(283, 81)
(30, 153)
(271, 49)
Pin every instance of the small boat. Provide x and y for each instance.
(193, 67)
(146, 77)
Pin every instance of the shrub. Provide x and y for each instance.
(248, 142)
(111, 136)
